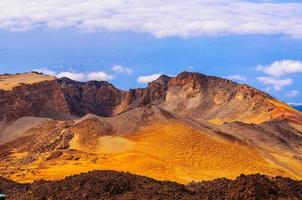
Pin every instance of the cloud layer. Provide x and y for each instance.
(160, 18)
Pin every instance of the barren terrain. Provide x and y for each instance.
(186, 128)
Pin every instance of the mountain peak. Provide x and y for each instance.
(163, 80)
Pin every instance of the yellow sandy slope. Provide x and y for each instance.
(168, 151)
(8, 82)
(280, 111)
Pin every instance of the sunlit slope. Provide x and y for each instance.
(218, 101)
(281, 111)
(8, 82)
(166, 151)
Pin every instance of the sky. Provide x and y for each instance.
(132, 42)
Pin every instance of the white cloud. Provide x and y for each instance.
(99, 76)
(148, 78)
(292, 93)
(78, 76)
(160, 18)
(72, 75)
(236, 78)
(121, 69)
(281, 68)
(276, 84)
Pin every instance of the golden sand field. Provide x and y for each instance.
(167, 151)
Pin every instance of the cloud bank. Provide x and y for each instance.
(160, 18)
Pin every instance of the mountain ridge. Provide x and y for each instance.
(183, 128)
(113, 100)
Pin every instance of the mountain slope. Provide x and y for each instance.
(184, 128)
(145, 141)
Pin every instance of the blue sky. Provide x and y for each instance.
(128, 48)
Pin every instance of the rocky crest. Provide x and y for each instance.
(189, 94)
(95, 97)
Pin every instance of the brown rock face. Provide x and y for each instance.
(103, 99)
(211, 98)
(43, 99)
(189, 94)
(95, 97)
(193, 95)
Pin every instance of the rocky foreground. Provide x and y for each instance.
(117, 185)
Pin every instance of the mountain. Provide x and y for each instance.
(191, 127)
(118, 186)
(297, 106)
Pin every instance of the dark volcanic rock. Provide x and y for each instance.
(103, 99)
(98, 185)
(249, 187)
(90, 97)
(116, 185)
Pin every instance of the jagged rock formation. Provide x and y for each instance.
(114, 185)
(39, 99)
(99, 98)
(189, 94)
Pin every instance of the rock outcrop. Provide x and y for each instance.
(42, 99)
(189, 94)
(100, 98)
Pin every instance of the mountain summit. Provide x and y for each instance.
(185, 128)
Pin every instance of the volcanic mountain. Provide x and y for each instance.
(191, 127)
